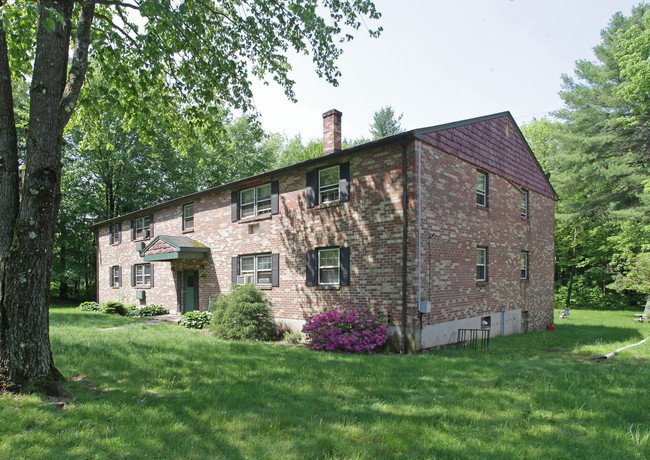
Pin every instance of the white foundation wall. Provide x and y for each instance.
(436, 335)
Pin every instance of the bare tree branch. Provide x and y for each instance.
(116, 27)
(116, 3)
(79, 65)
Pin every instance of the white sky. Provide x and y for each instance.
(439, 61)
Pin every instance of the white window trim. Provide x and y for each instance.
(186, 218)
(483, 193)
(115, 276)
(256, 202)
(525, 258)
(140, 227)
(329, 267)
(524, 204)
(484, 264)
(115, 231)
(140, 278)
(256, 269)
(329, 188)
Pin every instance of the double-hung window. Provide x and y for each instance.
(115, 234)
(255, 201)
(328, 184)
(143, 275)
(524, 265)
(259, 269)
(188, 217)
(142, 227)
(481, 188)
(329, 267)
(524, 204)
(115, 279)
(481, 264)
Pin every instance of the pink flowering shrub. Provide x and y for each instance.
(345, 328)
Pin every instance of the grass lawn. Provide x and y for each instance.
(161, 391)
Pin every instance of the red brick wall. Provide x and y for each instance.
(370, 224)
(459, 225)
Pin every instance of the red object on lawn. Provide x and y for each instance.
(551, 327)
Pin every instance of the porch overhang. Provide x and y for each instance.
(165, 247)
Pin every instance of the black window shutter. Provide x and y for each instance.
(119, 276)
(310, 189)
(234, 208)
(275, 269)
(179, 290)
(132, 275)
(119, 233)
(234, 269)
(196, 290)
(344, 182)
(151, 265)
(275, 197)
(345, 266)
(110, 276)
(311, 266)
(151, 227)
(110, 235)
(487, 189)
(132, 230)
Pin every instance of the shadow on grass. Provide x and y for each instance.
(236, 400)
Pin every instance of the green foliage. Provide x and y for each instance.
(292, 338)
(244, 314)
(632, 54)
(114, 308)
(89, 306)
(195, 319)
(597, 157)
(293, 151)
(153, 310)
(385, 123)
(131, 310)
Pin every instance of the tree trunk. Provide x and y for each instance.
(24, 332)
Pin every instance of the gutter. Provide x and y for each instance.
(405, 201)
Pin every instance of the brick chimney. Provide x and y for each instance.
(331, 131)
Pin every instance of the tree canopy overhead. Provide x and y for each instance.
(196, 55)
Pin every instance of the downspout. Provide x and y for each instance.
(402, 344)
(96, 265)
(420, 239)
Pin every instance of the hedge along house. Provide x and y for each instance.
(439, 228)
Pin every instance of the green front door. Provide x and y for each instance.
(189, 289)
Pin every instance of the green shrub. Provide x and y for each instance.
(131, 310)
(195, 319)
(245, 313)
(292, 337)
(153, 310)
(89, 306)
(114, 308)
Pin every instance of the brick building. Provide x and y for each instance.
(440, 228)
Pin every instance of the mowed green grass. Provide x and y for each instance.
(161, 391)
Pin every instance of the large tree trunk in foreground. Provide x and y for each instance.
(25, 268)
